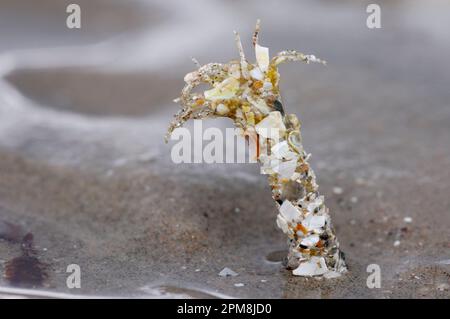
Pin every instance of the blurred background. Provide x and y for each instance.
(86, 179)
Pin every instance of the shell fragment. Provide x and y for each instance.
(262, 57)
(289, 211)
(224, 90)
(271, 126)
(316, 266)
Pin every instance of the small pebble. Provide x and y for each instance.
(338, 190)
(227, 272)
(239, 284)
(396, 243)
(407, 220)
(237, 210)
(354, 199)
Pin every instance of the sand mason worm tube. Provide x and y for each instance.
(249, 95)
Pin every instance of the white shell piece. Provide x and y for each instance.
(314, 222)
(224, 90)
(280, 150)
(257, 74)
(271, 126)
(310, 241)
(289, 211)
(287, 169)
(260, 104)
(316, 266)
(262, 57)
(235, 71)
(267, 86)
(275, 164)
(282, 224)
(227, 272)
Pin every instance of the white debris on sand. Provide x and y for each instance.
(239, 284)
(407, 219)
(227, 272)
(338, 190)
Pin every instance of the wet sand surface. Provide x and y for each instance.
(85, 177)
